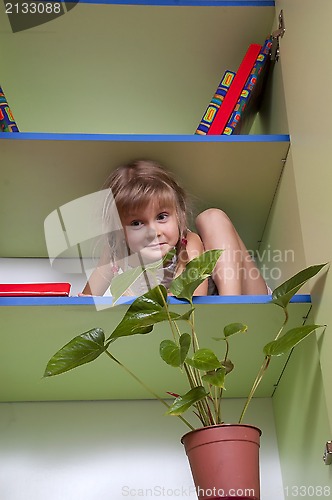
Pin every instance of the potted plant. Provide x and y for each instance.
(224, 458)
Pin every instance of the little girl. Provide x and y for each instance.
(153, 209)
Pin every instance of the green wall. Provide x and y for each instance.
(301, 219)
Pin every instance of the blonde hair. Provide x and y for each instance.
(135, 185)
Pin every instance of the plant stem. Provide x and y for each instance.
(227, 349)
(204, 418)
(255, 385)
(216, 403)
(195, 344)
(171, 323)
(147, 388)
(190, 376)
(198, 415)
(193, 375)
(219, 405)
(204, 412)
(283, 325)
(211, 419)
(193, 329)
(262, 369)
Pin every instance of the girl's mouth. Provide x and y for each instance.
(156, 245)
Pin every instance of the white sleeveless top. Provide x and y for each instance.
(150, 279)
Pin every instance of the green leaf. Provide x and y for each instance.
(204, 359)
(196, 271)
(173, 354)
(183, 403)
(289, 340)
(139, 318)
(228, 365)
(80, 350)
(123, 281)
(283, 293)
(144, 313)
(233, 328)
(216, 378)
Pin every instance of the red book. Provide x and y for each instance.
(234, 92)
(34, 289)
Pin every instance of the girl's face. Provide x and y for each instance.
(153, 231)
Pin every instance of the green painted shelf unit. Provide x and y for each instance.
(139, 77)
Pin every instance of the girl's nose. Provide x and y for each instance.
(154, 230)
(151, 231)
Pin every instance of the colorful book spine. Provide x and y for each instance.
(228, 104)
(215, 103)
(248, 90)
(7, 122)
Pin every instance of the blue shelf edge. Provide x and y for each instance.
(43, 136)
(180, 3)
(107, 301)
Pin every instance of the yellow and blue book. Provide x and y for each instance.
(215, 103)
(7, 122)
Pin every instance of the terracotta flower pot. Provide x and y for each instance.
(224, 461)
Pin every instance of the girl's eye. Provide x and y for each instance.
(136, 224)
(163, 216)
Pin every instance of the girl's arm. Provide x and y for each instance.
(101, 277)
